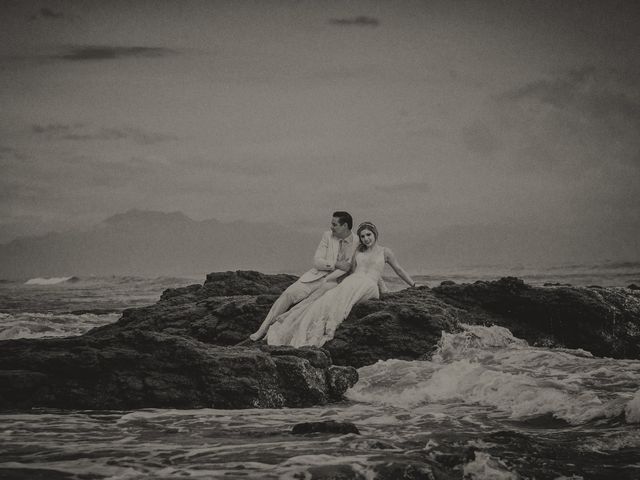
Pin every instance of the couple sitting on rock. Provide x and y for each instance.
(321, 296)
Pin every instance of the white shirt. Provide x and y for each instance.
(330, 250)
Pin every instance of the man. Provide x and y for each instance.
(331, 261)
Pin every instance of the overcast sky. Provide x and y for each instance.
(417, 115)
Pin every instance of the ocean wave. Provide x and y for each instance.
(488, 366)
(113, 280)
(51, 280)
(632, 410)
(484, 466)
(46, 325)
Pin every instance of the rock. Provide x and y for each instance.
(317, 357)
(408, 324)
(405, 325)
(246, 283)
(142, 369)
(224, 311)
(340, 379)
(328, 426)
(182, 351)
(603, 321)
(633, 286)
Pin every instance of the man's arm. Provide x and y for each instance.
(344, 265)
(347, 263)
(320, 259)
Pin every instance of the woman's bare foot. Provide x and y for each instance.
(259, 334)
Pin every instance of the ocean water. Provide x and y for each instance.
(67, 306)
(486, 404)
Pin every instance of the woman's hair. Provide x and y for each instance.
(366, 226)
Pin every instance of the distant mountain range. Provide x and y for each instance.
(148, 243)
(151, 243)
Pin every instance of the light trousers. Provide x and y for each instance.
(294, 293)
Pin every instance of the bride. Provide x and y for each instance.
(314, 320)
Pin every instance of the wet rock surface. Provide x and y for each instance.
(138, 369)
(603, 321)
(182, 351)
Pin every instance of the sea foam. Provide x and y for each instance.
(43, 325)
(47, 281)
(632, 410)
(484, 466)
(487, 366)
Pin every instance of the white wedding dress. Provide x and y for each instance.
(314, 320)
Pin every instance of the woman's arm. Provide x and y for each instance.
(390, 258)
(334, 276)
(337, 273)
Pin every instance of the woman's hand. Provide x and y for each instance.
(344, 265)
(326, 285)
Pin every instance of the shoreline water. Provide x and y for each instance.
(498, 409)
(486, 405)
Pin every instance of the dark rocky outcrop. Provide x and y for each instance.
(603, 321)
(232, 283)
(329, 426)
(177, 353)
(182, 351)
(137, 368)
(404, 325)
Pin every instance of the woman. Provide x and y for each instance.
(314, 321)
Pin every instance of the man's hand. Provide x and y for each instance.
(343, 265)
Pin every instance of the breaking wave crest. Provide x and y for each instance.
(47, 325)
(487, 366)
(49, 280)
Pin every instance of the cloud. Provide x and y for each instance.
(583, 119)
(52, 130)
(600, 94)
(359, 21)
(55, 180)
(79, 132)
(89, 53)
(46, 13)
(6, 151)
(566, 145)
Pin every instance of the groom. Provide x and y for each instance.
(332, 255)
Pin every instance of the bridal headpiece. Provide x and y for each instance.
(368, 226)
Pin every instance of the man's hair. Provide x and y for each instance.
(344, 217)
